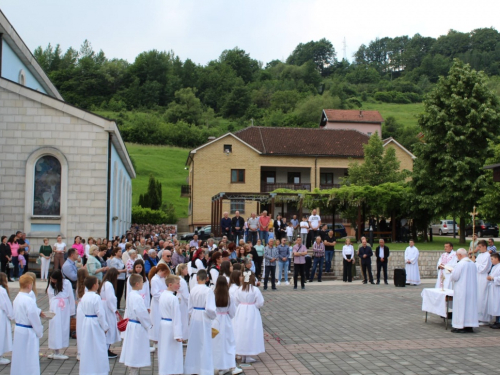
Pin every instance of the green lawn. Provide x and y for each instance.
(167, 165)
(405, 114)
(436, 244)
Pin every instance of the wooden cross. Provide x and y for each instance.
(474, 213)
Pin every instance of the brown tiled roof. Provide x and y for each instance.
(350, 115)
(305, 141)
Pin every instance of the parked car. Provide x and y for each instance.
(203, 233)
(339, 230)
(443, 227)
(482, 229)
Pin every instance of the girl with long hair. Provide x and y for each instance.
(108, 297)
(183, 295)
(214, 267)
(62, 303)
(6, 315)
(234, 282)
(138, 269)
(195, 265)
(225, 270)
(14, 248)
(81, 275)
(224, 345)
(250, 333)
(157, 277)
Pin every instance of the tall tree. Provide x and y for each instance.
(322, 53)
(460, 116)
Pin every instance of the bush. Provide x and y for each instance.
(383, 96)
(148, 216)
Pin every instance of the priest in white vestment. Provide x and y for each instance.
(449, 260)
(464, 278)
(483, 265)
(411, 260)
(494, 291)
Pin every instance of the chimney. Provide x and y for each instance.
(211, 138)
(360, 113)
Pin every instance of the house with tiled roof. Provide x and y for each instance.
(258, 160)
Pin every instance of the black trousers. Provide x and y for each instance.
(27, 257)
(299, 269)
(307, 267)
(258, 266)
(367, 267)
(120, 286)
(347, 271)
(382, 265)
(227, 233)
(253, 236)
(270, 271)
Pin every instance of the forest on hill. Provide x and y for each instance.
(161, 99)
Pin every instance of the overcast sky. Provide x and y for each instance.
(268, 30)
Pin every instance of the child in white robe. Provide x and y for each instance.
(135, 350)
(249, 334)
(138, 269)
(157, 279)
(234, 283)
(93, 349)
(202, 310)
(28, 331)
(170, 341)
(80, 292)
(224, 344)
(62, 303)
(108, 297)
(494, 291)
(183, 295)
(6, 315)
(194, 266)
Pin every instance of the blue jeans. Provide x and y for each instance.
(264, 235)
(282, 266)
(21, 270)
(328, 260)
(315, 264)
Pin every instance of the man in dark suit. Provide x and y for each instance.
(365, 254)
(382, 254)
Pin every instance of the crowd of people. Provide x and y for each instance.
(198, 295)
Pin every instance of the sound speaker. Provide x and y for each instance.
(399, 277)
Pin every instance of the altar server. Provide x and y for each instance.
(138, 269)
(183, 295)
(464, 277)
(249, 332)
(28, 331)
(448, 259)
(135, 350)
(224, 344)
(108, 297)
(81, 275)
(195, 265)
(157, 279)
(202, 311)
(483, 265)
(6, 315)
(170, 341)
(62, 303)
(93, 349)
(494, 290)
(411, 260)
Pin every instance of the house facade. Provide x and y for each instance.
(63, 170)
(263, 159)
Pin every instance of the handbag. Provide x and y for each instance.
(11, 265)
(39, 260)
(122, 323)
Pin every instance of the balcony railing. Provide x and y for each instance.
(266, 188)
(185, 190)
(328, 186)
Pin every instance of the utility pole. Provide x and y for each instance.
(345, 49)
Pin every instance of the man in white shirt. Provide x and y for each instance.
(483, 265)
(464, 278)
(314, 224)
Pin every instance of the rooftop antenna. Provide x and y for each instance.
(345, 49)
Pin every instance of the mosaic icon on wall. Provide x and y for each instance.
(47, 195)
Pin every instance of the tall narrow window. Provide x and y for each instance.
(47, 187)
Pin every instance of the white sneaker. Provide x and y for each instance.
(60, 356)
(78, 357)
(279, 283)
(287, 283)
(152, 349)
(50, 356)
(4, 361)
(237, 370)
(249, 360)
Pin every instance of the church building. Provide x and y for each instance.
(63, 170)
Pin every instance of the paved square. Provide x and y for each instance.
(337, 328)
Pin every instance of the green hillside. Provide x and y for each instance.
(405, 114)
(167, 165)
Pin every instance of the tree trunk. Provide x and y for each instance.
(462, 230)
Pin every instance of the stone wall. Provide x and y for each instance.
(427, 263)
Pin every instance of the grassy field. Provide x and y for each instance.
(167, 165)
(405, 114)
(436, 244)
